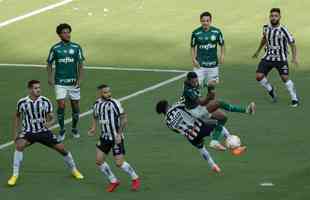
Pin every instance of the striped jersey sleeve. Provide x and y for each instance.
(289, 37)
(48, 105)
(118, 106)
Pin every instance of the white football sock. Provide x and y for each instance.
(129, 170)
(105, 168)
(264, 82)
(18, 158)
(205, 154)
(291, 89)
(69, 161)
(225, 132)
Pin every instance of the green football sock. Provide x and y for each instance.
(75, 117)
(217, 133)
(232, 108)
(61, 118)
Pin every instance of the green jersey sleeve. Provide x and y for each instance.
(193, 40)
(80, 55)
(51, 56)
(220, 38)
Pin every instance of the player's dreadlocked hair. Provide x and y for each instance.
(161, 107)
(63, 26)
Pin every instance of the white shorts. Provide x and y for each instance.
(63, 91)
(207, 74)
(200, 112)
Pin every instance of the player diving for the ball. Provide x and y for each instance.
(208, 108)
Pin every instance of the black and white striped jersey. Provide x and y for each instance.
(108, 113)
(278, 39)
(179, 120)
(34, 113)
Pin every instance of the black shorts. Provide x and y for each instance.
(46, 138)
(205, 131)
(105, 145)
(266, 66)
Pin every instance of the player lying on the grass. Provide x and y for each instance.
(110, 116)
(204, 42)
(195, 130)
(35, 115)
(206, 108)
(68, 58)
(276, 38)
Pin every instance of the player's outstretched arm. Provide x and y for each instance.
(16, 124)
(50, 74)
(92, 130)
(262, 44)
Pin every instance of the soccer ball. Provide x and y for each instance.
(233, 142)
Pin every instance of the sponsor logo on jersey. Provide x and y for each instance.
(207, 46)
(66, 60)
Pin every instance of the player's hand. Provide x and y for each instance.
(91, 131)
(196, 63)
(118, 138)
(295, 62)
(255, 55)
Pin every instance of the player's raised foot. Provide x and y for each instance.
(12, 181)
(251, 109)
(295, 103)
(77, 175)
(112, 186)
(61, 135)
(273, 95)
(238, 151)
(217, 145)
(216, 168)
(135, 184)
(75, 133)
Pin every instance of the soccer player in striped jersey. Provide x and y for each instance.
(276, 39)
(110, 117)
(68, 59)
(206, 108)
(35, 115)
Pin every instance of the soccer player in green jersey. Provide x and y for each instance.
(208, 108)
(204, 42)
(68, 59)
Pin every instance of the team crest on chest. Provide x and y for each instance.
(71, 51)
(213, 37)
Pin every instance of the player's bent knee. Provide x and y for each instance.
(284, 78)
(119, 163)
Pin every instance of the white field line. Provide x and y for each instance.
(148, 89)
(99, 68)
(35, 12)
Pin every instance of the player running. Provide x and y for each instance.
(35, 115)
(276, 38)
(204, 42)
(206, 108)
(68, 58)
(110, 116)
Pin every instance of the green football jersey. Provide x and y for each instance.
(191, 95)
(66, 57)
(206, 42)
